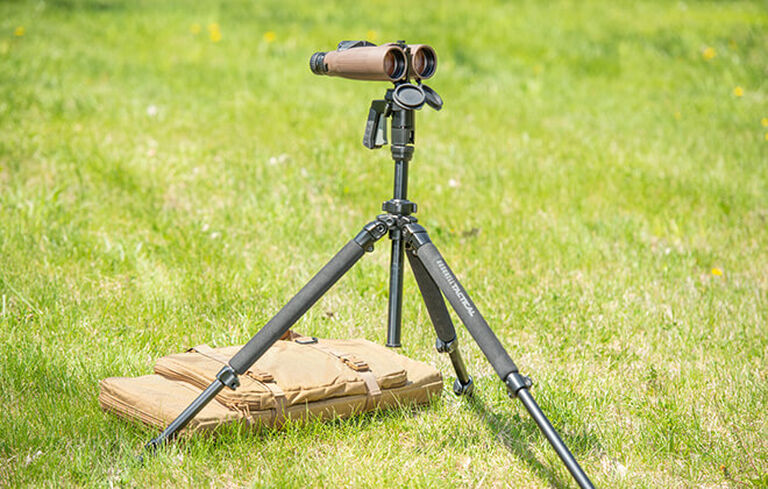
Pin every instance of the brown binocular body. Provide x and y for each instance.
(364, 61)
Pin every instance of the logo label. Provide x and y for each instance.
(455, 287)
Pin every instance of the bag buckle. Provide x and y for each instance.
(355, 363)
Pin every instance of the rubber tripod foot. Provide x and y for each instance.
(149, 450)
(464, 389)
(153, 445)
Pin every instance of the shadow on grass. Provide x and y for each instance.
(306, 427)
(514, 432)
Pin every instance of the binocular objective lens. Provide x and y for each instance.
(389, 63)
(420, 62)
(394, 64)
(424, 61)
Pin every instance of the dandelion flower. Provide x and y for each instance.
(214, 32)
(269, 36)
(19, 31)
(194, 29)
(766, 136)
(371, 35)
(708, 53)
(717, 272)
(764, 121)
(738, 91)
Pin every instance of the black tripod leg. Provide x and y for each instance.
(278, 325)
(441, 320)
(395, 290)
(517, 385)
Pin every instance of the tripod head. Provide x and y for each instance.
(405, 97)
(399, 104)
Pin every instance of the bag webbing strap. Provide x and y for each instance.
(264, 378)
(374, 391)
(278, 413)
(360, 367)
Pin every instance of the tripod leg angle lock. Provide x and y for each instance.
(435, 279)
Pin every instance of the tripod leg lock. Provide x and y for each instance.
(464, 389)
(463, 385)
(515, 382)
(228, 377)
(446, 346)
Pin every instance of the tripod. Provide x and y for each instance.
(433, 276)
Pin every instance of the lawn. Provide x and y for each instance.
(172, 172)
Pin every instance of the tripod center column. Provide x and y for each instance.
(399, 205)
(402, 137)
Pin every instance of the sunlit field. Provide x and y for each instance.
(171, 173)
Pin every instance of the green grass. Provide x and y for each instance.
(594, 179)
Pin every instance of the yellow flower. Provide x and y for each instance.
(678, 115)
(269, 36)
(717, 271)
(766, 136)
(764, 121)
(214, 32)
(194, 29)
(709, 53)
(19, 31)
(738, 91)
(371, 35)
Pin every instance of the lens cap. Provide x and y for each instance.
(409, 96)
(433, 99)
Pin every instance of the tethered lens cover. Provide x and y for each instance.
(433, 99)
(409, 96)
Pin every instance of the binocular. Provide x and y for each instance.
(362, 60)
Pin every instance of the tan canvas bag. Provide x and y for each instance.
(297, 378)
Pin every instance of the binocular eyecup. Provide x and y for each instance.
(362, 60)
